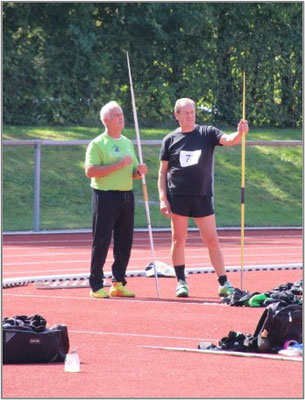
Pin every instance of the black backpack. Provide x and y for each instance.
(279, 323)
(28, 340)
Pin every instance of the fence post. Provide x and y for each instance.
(37, 147)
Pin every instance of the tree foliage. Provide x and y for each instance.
(63, 61)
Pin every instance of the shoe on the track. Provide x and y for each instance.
(99, 294)
(182, 289)
(118, 290)
(225, 290)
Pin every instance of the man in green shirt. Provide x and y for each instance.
(111, 164)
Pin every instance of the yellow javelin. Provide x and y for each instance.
(242, 197)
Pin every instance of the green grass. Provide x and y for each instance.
(273, 181)
(82, 133)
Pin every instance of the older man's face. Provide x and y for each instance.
(115, 119)
(186, 117)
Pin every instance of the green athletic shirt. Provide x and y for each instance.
(105, 150)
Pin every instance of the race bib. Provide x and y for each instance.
(188, 158)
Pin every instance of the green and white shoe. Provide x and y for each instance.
(225, 290)
(182, 289)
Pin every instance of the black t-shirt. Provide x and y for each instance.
(191, 159)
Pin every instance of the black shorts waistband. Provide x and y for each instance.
(112, 191)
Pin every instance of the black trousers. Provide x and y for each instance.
(113, 212)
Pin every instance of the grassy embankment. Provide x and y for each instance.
(273, 181)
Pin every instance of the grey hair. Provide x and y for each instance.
(182, 102)
(107, 108)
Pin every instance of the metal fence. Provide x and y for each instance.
(38, 144)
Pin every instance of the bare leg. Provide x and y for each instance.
(179, 225)
(179, 233)
(207, 228)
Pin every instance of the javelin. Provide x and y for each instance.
(227, 353)
(145, 193)
(242, 195)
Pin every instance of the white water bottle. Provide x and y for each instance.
(72, 361)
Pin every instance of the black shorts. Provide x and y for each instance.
(191, 206)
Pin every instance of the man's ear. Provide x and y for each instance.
(176, 115)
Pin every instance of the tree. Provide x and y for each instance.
(63, 61)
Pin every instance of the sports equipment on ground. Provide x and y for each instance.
(163, 270)
(227, 353)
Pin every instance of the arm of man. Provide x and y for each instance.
(141, 169)
(162, 180)
(234, 138)
(98, 171)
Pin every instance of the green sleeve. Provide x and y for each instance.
(93, 156)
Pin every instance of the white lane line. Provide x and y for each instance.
(35, 271)
(132, 268)
(148, 258)
(259, 238)
(70, 251)
(160, 301)
(139, 335)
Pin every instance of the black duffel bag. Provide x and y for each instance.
(28, 340)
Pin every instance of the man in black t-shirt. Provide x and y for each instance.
(185, 187)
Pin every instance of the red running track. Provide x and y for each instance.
(108, 332)
(67, 254)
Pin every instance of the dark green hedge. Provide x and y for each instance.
(63, 61)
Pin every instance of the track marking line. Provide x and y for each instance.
(139, 335)
(143, 300)
(76, 260)
(226, 250)
(9, 282)
(296, 235)
(144, 241)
